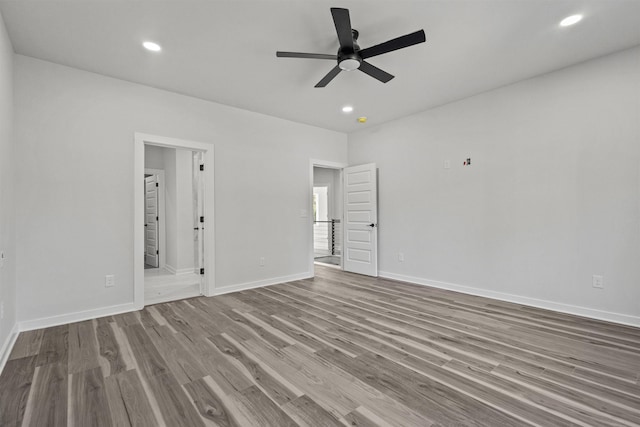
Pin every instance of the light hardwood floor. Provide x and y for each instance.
(340, 349)
(162, 286)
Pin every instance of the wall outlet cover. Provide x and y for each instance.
(109, 281)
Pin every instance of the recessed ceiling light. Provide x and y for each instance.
(347, 109)
(153, 47)
(570, 20)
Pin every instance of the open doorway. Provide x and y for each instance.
(173, 203)
(347, 194)
(173, 256)
(327, 216)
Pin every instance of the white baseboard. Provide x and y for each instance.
(261, 283)
(79, 316)
(179, 271)
(46, 322)
(624, 319)
(7, 346)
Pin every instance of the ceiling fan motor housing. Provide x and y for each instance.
(349, 59)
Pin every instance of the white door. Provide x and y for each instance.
(360, 253)
(151, 221)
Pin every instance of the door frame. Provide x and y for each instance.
(140, 139)
(327, 165)
(162, 248)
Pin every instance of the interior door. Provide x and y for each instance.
(151, 221)
(361, 220)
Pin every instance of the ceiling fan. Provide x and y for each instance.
(350, 57)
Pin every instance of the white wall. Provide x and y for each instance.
(154, 157)
(171, 207)
(331, 177)
(75, 215)
(184, 215)
(178, 208)
(551, 197)
(7, 201)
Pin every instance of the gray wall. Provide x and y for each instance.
(7, 201)
(77, 129)
(551, 197)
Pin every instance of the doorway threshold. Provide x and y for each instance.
(162, 286)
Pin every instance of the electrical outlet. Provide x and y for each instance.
(261, 261)
(447, 164)
(109, 281)
(400, 257)
(2, 259)
(598, 281)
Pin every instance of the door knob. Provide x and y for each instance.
(372, 225)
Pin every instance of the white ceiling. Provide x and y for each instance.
(224, 50)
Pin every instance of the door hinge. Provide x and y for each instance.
(157, 219)
(202, 271)
(201, 219)
(157, 252)
(156, 184)
(201, 167)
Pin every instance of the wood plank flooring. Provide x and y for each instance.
(340, 349)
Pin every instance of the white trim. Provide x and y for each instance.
(170, 269)
(329, 165)
(79, 316)
(185, 271)
(140, 139)
(608, 316)
(262, 283)
(7, 346)
(162, 230)
(179, 271)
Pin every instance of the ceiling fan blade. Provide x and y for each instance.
(394, 44)
(375, 72)
(326, 79)
(306, 55)
(343, 27)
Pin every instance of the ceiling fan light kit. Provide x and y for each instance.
(349, 64)
(350, 57)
